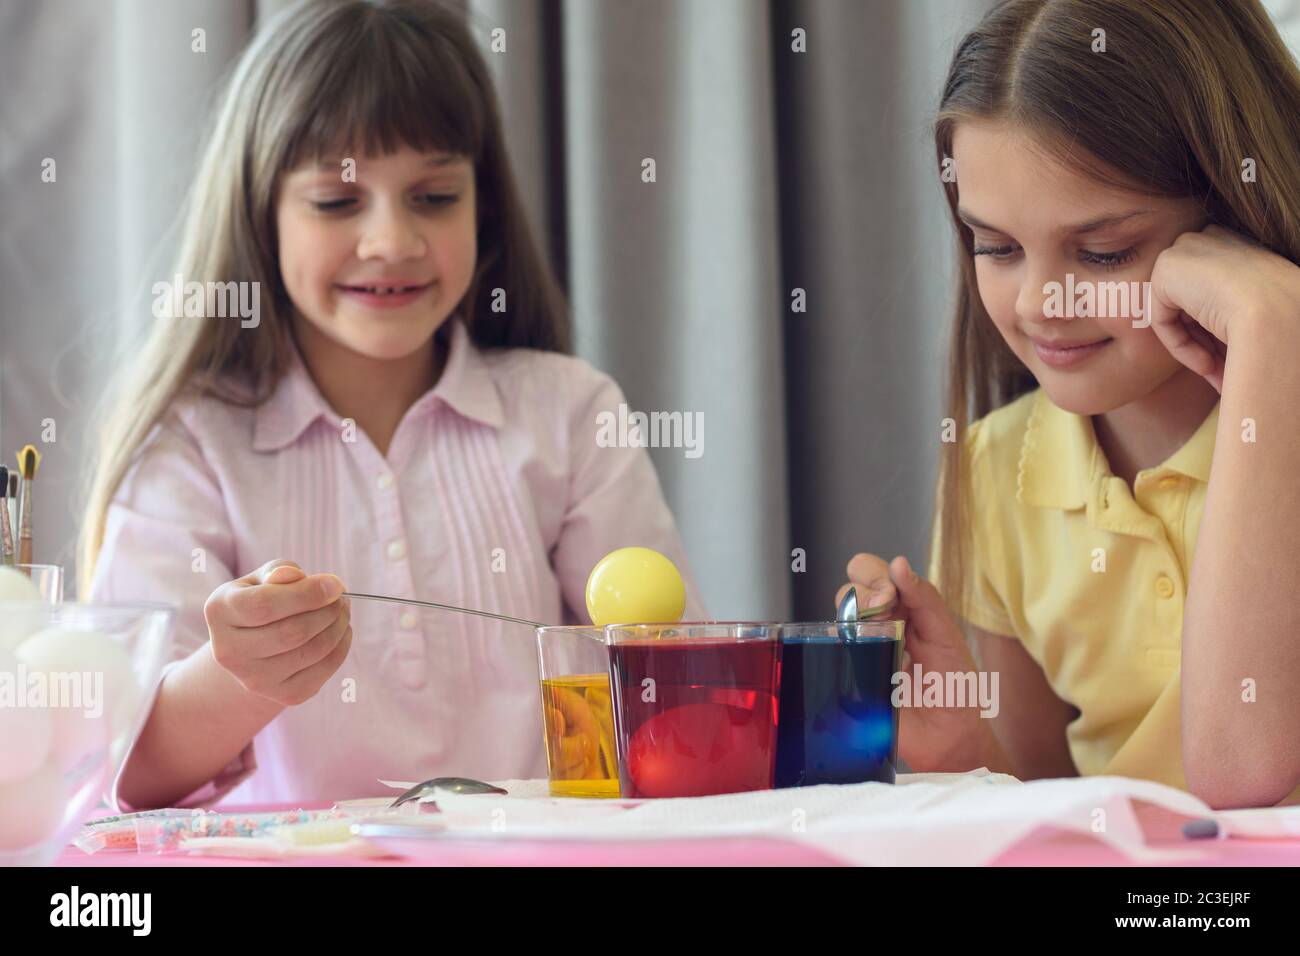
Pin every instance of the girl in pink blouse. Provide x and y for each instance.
(434, 442)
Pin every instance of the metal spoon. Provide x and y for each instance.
(848, 612)
(441, 607)
(447, 785)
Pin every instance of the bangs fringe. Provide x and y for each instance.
(371, 87)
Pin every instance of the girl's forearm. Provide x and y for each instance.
(201, 719)
(1241, 627)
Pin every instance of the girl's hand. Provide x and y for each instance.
(279, 631)
(929, 738)
(1212, 284)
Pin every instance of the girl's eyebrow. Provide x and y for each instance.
(1078, 229)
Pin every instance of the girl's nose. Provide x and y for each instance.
(1032, 301)
(390, 234)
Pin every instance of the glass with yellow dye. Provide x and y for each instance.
(577, 717)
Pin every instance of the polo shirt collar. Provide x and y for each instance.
(1194, 458)
(465, 385)
(1060, 458)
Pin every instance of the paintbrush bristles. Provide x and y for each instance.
(29, 459)
(6, 532)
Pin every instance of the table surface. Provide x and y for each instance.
(1046, 846)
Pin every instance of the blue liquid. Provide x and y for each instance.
(835, 722)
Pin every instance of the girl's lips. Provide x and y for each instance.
(383, 300)
(1061, 355)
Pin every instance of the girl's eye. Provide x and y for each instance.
(1109, 260)
(1105, 260)
(428, 199)
(996, 252)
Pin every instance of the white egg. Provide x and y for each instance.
(16, 586)
(93, 690)
(31, 809)
(15, 628)
(25, 732)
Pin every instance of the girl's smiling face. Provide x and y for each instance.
(1035, 221)
(408, 220)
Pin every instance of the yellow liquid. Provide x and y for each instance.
(578, 723)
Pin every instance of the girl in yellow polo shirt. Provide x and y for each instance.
(1118, 525)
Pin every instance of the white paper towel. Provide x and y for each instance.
(924, 820)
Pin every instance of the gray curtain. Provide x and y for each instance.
(776, 171)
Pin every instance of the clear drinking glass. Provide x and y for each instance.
(83, 676)
(48, 579)
(838, 722)
(577, 722)
(695, 706)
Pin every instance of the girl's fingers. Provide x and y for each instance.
(292, 633)
(867, 597)
(869, 575)
(1214, 354)
(868, 569)
(1193, 345)
(926, 611)
(278, 572)
(304, 684)
(256, 605)
(311, 651)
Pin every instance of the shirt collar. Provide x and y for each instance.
(465, 385)
(1060, 458)
(1194, 458)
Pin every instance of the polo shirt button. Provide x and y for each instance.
(1165, 586)
(385, 482)
(396, 549)
(408, 621)
(1169, 482)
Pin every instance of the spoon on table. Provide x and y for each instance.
(446, 785)
(441, 607)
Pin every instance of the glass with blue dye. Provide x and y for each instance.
(836, 720)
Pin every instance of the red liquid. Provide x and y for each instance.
(709, 725)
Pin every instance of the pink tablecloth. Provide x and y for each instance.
(1045, 847)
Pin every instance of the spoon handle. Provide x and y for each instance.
(441, 607)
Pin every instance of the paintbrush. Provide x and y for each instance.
(6, 533)
(29, 459)
(13, 504)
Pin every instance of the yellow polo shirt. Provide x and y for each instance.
(1090, 576)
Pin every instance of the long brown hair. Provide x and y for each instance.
(1184, 92)
(323, 78)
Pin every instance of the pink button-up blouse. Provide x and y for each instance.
(494, 495)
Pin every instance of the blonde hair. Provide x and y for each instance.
(322, 78)
(1184, 93)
